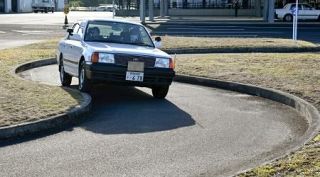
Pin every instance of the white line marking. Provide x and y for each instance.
(203, 26)
(217, 32)
(280, 27)
(249, 27)
(2, 32)
(205, 29)
(31, 32)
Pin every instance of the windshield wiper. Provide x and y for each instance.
(141, 44)
(120, 42)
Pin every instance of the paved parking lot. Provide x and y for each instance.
(197, 131)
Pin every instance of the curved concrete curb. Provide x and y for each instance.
(242, 50)
(303, 107)
(53, 122)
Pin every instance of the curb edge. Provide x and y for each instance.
(306, 109)
(52, 122)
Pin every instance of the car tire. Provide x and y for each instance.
(65, 78)
(84, 82)
(288, 18)
(318, 18)
(160, 92)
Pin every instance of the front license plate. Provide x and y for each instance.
(134, 76)
(135, 66)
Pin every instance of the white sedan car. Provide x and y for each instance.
(116, 52)
(306, 12)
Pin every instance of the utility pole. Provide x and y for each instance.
(142, 11)
(295, 22)
(151, 11)
(113, 9)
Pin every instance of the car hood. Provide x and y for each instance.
(125, 49)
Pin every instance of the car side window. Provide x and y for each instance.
(144, 36)
(293, 6)
(77, 32)
(306, 7)
(76, 28)
(80, 31)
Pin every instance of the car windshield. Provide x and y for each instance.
(117, 32)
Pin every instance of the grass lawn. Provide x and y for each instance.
(23, 101)
(296, 73)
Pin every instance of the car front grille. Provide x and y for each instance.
(122, 59)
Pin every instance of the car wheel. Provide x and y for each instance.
(65, 78)
(84, 82)
(288, 18)
(160, 92)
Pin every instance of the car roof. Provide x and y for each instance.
(111, 20)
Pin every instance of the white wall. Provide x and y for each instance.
(25, 5)
(7, 6)
(60, 5)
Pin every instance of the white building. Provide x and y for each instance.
(8, 6)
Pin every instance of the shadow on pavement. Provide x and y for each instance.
(127, 110)
(121, 110)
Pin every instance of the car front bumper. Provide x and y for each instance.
(110, 73)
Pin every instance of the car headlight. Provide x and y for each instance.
(162, 63)
(98, 57)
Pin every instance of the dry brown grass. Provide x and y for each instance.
(23, 101)
(170, 42)
(296, 73)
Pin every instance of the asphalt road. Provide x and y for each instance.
(22, 29)
(196, 131)
(306, 31)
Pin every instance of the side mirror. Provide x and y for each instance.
(158, 39)
(157, 42)
(70, 31)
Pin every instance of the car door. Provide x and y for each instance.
(76, 50)
(300, 12)
(72, 51)
(309, 12)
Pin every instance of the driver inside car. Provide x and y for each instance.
(94, 33)
(134, 35)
